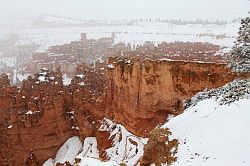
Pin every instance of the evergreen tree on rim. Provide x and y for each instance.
(240, 54)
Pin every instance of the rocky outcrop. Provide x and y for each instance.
(33, 117)
(159, 149)
(31, 159)
(144, 94)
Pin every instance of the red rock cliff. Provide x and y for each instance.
(43, 113)
(32, 117)
(144, 94)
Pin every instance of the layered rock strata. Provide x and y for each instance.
(144, 94)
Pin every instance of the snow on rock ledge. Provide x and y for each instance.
(126, 147)
(233, 91)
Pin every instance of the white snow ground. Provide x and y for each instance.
(122, 151)
(68, 152)
(212, 134)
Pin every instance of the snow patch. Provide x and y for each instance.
(68, 152)
(89, 148)
(127, 148)
(66, 80)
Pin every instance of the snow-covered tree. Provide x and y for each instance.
(240, 54)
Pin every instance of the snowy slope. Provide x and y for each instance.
(213, 134)
(67, 152)
(95, 162)
(89, 154)
(73, 148)
(89, 148)
(127, 150)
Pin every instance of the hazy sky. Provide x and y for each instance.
(127, 9)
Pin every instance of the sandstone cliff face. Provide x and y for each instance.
(32, 117)
(43, 113)
(144, 94)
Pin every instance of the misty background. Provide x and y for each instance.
(128, 9)
(33, 26)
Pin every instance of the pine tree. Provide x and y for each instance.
(240, 54)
